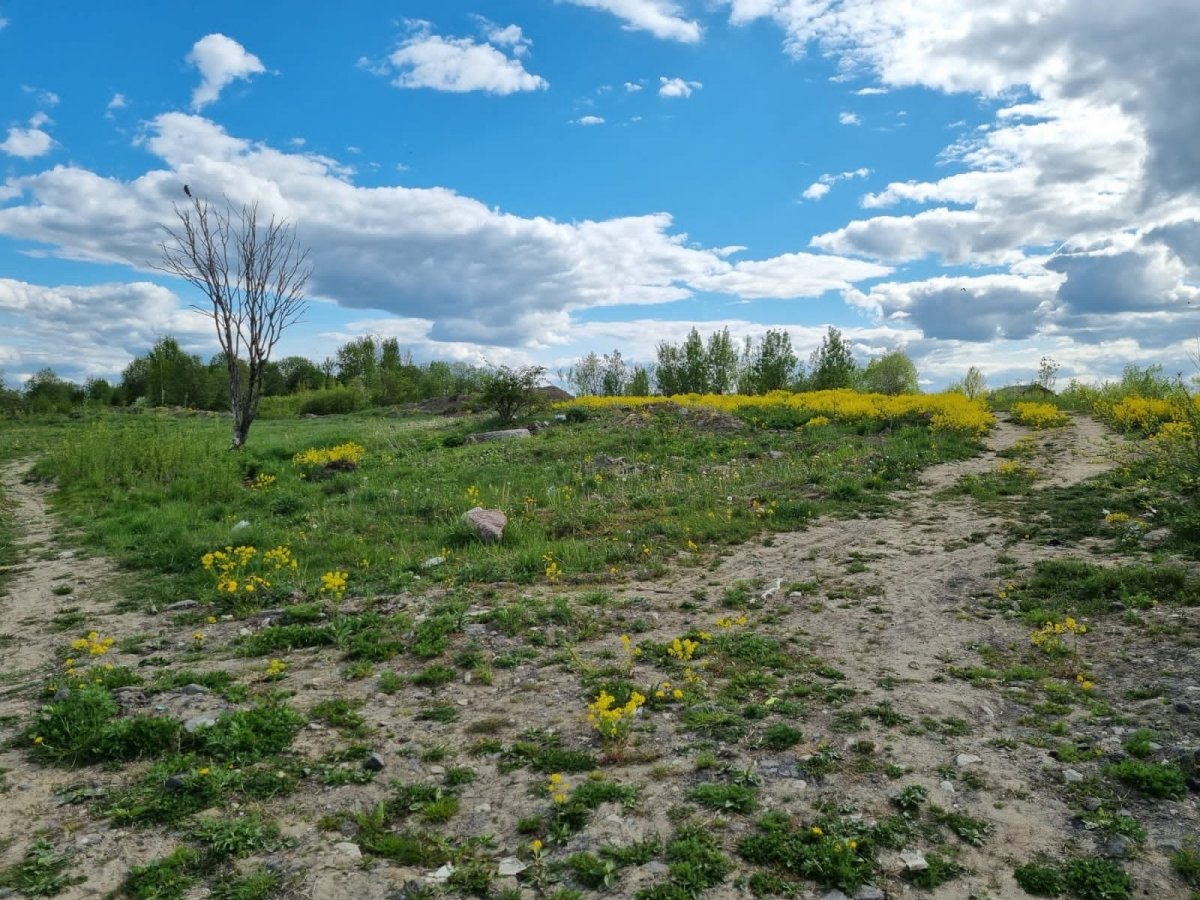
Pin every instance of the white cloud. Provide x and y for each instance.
(461, 65)
(662, 18)
(45, 98)
(825, 183)
(38, 119)
(871, 91)
(27, 143)
(220, 61)
(3, 23)
(677, 87)
(849, 118)
(118, 101)
(632, 87)
(479, 274)
(590, 120)
(103, 325)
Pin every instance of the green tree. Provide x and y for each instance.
(586, 376)
(892, 373)
(511, 392)
(769, 365)
(613, 375)
(721, 369)
(832, 363)
(45, 392)
(974, 384)
(639, 383)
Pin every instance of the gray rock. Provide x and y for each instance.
(181, 606)
(1091, 804)
(1070, 776)
(1118, 847)
(475, 628)
(1182, 707)
(510, 865)
(373, 763)
(834, 894)
(775, 454)
(947, 786)
(432, 562)
(241, 525)
(442, 874)
(1157, 536)
(488, 524)
(507, 434)
(193, 689)
(869, 892)
(175, 783)
(966, 759)
(914, 860)
(348, 852)
(654, 867)
(203, 721)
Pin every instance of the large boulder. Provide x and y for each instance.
(488, 524)
(507, 434)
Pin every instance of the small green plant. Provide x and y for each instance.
(735, 797)
(42, 872)
(941, 869)
(1186, 863)
(1096, 879)
(1039, 880)
(1165, 780)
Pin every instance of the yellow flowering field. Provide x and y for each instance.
(944, 412)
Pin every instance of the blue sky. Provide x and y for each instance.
(524, 182)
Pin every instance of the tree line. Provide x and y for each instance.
(719, 366)
(374, 371)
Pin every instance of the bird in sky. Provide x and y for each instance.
(187, 190)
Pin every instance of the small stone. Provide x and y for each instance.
(775, 454)
(966, 759)
(432, 562)
(834, 894)
(193, 689)
(175, 783)
(241, 525)
(654, 867)
(181, 606)
(510, 865)
(1182, 707)
(1091, 804)
(1070, 776)
(442, 874)
(348, 851)
(373, 763)
(488, 524)
(203, 721)
(1118, 847)
(437, 770)
(947, 786)
(507, 434)
(914, 860)
(475, 628)
(869, 892)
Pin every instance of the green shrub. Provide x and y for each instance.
(1038, 880)
(1165, 780)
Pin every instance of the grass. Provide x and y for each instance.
(478, 670)
(124, 479)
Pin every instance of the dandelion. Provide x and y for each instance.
(198, 637)
(536, 846)
(39, 740)
(205, 771)
(816, 831)
(275, 669)
(212, 620)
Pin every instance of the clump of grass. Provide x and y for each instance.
(735, 797)
(833, 854)
(1164, 780)
(42, 872)
(695, 863)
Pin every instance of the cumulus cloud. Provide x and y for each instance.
(662, 18)
(104, 325)
(479, 274)
(220, 60)
(849, 118)
(825, 183)
(677, 87)
(590, 120)
(632, 87)
(462, 65)
(118, 101)
(27, 143)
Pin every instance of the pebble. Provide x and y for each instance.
(433, 561)
(835, 894)
(914, 860)
(373, 763)
(510, 865)
(1118, 847)
(947, 786)
(437, 770)
(869, 892)
(966, 759)
(175, 783)
(193, 689)
(348, 851)
(1181, 707)
(1070, 776)
(1091, 804)
(180, 606)
(442, 874)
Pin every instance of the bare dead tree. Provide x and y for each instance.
(254, 276)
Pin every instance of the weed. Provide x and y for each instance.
(1164, 779)
(733, 797)
(42, 872)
